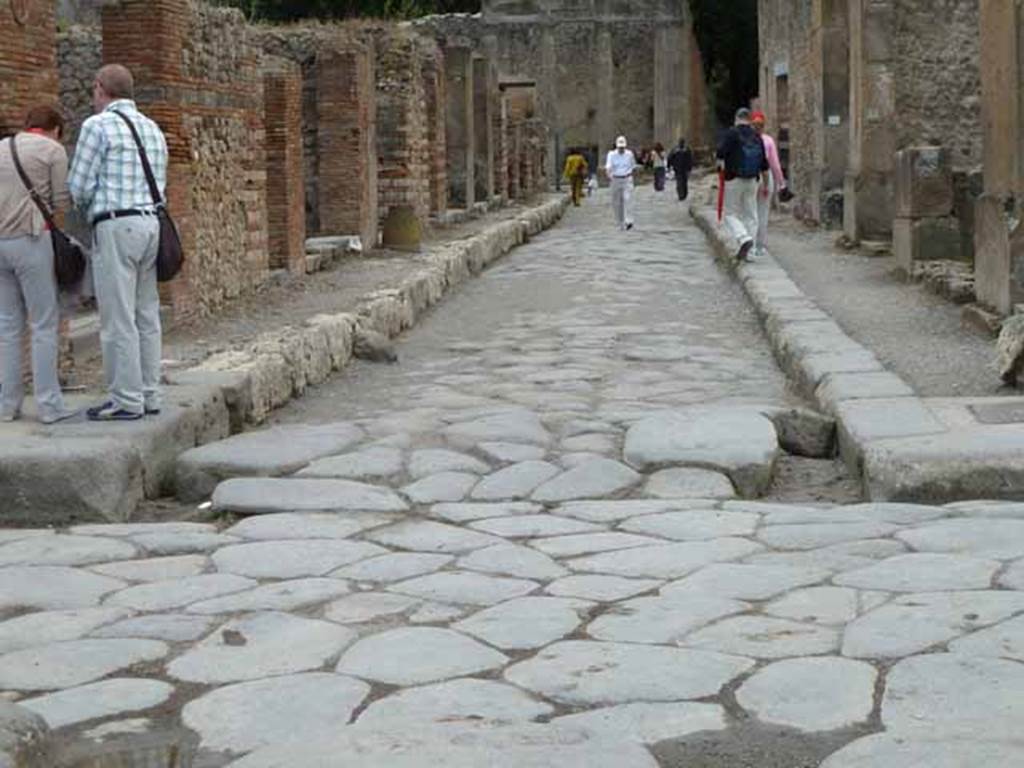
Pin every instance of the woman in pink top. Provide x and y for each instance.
(776, 182)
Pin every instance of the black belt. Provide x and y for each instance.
(121, 214)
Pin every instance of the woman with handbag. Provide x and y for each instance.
(28, 285)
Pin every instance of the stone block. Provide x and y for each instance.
(402, 230)
(997, 249)
(929, 239)
(924, 182)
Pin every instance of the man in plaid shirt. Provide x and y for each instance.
(108, 183)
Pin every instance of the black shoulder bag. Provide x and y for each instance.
(169, 256)
(68, 255)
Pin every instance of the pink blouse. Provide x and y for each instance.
(773, 160)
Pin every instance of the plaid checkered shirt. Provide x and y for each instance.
(106, 172)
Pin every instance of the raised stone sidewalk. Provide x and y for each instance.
(79, 471)
(904, 447)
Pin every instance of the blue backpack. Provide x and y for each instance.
(751, 155)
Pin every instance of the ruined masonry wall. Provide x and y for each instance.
(79, 55)
(286, 215)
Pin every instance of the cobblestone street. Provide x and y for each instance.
(532, 543)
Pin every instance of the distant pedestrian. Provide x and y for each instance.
(107, 180)
(28, 287)
(620, 165)
(576, 172)
(776, 182)
(680, 160)
(742, 157)
(658, 161)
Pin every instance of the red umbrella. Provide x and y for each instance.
(721, 194)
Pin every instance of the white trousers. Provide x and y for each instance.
(764, 207)
(622, 200)
(741, 209)
(124, 272)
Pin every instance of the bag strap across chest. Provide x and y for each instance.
(154, 190)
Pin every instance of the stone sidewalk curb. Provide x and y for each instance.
(903, 447)
(83, 472)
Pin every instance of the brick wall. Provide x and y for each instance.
(28, 59)
(286, 198)
(197, 74)
(501, 148)
(432, 69)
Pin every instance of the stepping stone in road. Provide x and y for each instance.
(260, 496)
(740, 443)
(814, 694)
(416, 655)
(591, 479)
(264, 453)
(107, 698)
(246, 716)
(261, 645)
(526, 622)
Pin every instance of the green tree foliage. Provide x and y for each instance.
(727, 34)
(291, 10)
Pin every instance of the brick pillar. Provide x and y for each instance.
(459, 130)
(28, 59)
(501, 149)
(434, 93)
(286, 192)
(484, 83)
(515, 142)
(347, 143)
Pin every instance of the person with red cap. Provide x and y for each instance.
(775, 181)
(744, 170)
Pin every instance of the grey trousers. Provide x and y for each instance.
(124, 275)
(622, 200)
(28, 289)
(741, 209)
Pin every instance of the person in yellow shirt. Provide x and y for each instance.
(576, 172)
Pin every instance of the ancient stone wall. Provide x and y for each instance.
(286, 199)
(28, 59)
(79, 56)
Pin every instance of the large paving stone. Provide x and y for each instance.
(308, 525)
(416, 655)
(530, 526)
(898, 750)
(456, 701)
(278, 596)
(514, 482)
(424, 463)
(588, 543)
(526, 622)
(923, 572)
(600, 588)
(591, 479)
(444, 486)
(261, 645)
(455, 746)
(467, 511)
(123, 530)
(169, 627)
(615, 511)
(368, 606)
(664, 620)
(648, 723)
(246, 716)
(107, 698)
(35, 629)
(912, 623)
(62, 665)
(431, 536)
(765, 637)
(665, 561)
(370, 463)
(743, 581)
(265, 453)
(518, 426)
(52, 587)
(513, 560)
(998, 539)
(824, 605)
(742, 444)
(259, 496)
(64, 550)
(1004, 640)
(689, 483)
(693, 525)
(292, 558)
(511, 452)
(817, 694)
(582, 672)
(954, 696)
(393, 567)
(157, 544)
(465, 587)
(160, 596)
(155, 568)
(816, 535)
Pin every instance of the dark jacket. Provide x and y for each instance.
(731, 150)
(680, 160)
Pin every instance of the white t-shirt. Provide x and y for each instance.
(620, 164)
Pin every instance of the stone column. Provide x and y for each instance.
(999, 235)
(460, 134)
(868, 188)
(286, 195)
(484, 85)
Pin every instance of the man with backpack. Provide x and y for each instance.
(742, 157)
(680, 160)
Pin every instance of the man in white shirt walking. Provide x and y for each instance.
(619, 166)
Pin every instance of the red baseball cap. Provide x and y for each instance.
(758, 117)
